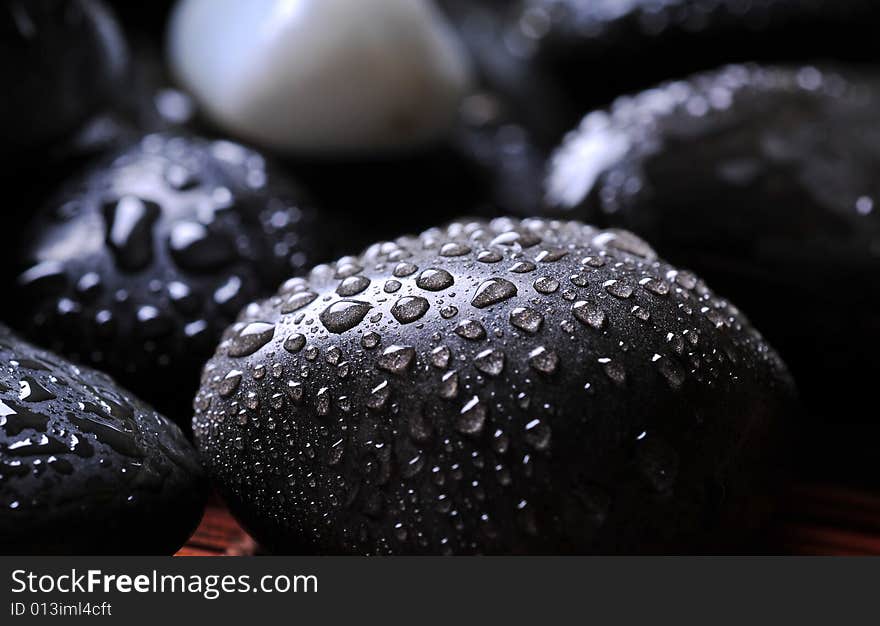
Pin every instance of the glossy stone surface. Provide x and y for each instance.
(495, 387)
(764, 181)
(139, 264)
(599, 49)
(59, 62)
(328, 76)
(85, 467)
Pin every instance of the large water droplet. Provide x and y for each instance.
(435, 280)
(396, 359)
(344, 315)
(229, 384)
(546, 285)
(589, 314)
(472, 417)
(130, 231)
(32, 391)
(297, 301)
(493, 291)
(618, 289)
(490, 362)
(470, 329)
(448, 385)
(528, 320)
(251, 338)
(352, 286)
(544, 360)
(409, 309)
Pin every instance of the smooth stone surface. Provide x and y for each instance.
(138, 265)
(599, 49)
(495, 387)
(85, 467)
(321, 76)
(765, 181)
(59, 62)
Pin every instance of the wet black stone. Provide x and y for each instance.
(59, 62)
(85, 467)
(597, 50)
(764, 181)
(601, 401)
(137, 265)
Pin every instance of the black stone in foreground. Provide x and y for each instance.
(495, 387)
(85, 467)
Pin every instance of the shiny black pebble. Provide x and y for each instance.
(59, 62)
(138, 265)
(598, 49)
(765, 182)
(85, 467)
(495, 387)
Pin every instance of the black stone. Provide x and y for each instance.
(85, 467)
(59, 63)
(561, 391)
(597, 50)
(138, 265)
(763, 180)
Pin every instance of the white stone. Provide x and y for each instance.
(321, 76)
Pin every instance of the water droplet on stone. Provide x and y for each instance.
(472, 417)
(538, 435)
(470, 329)
(440, 357)
(396, 359)
(229, 384)
(295, 342)
(617, 289)
(544, 360)
(405, 269)
(344, 315)
(370, 340)
(251, 338)
(448, 385)
(493, 291)
(589, 314)
(435, 280)
(298, 301)
(546, 285)
(655, 286)
(523, 267)
(352, 286)
(453, 248)
(613, 370)
(490, 361)
(527, 320)
(409, 309)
